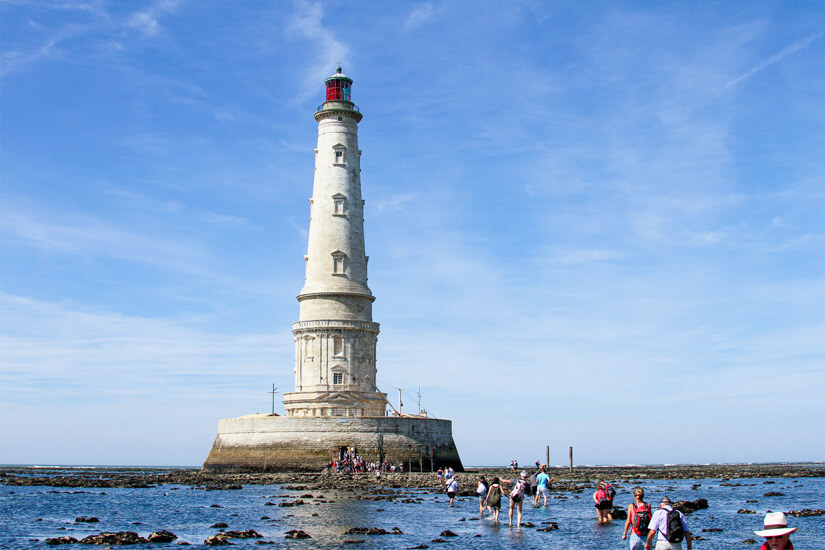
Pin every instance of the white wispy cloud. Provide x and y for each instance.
(102, 23)
(308, 23)
(419, 15)
(776, 58)
(100, 238)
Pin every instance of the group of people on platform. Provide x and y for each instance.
(666, 524)
(356, 464)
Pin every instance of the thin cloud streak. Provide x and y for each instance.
(776, 58)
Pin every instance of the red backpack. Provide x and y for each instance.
(641, 519)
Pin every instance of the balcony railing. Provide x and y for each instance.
(351, 107)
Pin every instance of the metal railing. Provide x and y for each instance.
(352, 107)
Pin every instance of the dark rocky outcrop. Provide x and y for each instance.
(217, 540)
(162, 536)
(61, 540)
(297, 534)
(86, 519)
(619, 513)
(807, 512)
(690, 506)
(121, 538)
(248, 534)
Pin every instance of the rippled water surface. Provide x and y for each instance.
(28, 513)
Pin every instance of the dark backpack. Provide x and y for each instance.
(611, 492)
(674, 533)
(641, 520)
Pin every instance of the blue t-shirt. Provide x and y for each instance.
(543, 480)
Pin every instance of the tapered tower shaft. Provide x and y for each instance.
(335, 338)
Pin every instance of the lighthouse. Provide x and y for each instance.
(335, 336)
(336, 407)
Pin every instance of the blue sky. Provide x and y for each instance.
(589, 224)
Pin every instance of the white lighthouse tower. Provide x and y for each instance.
(336, 406)
(335, 337)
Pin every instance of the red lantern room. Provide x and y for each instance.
(339, 87)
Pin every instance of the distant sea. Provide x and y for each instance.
(30, 515)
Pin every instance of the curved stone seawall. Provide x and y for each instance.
(279, 443)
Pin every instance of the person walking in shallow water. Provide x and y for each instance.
(543, 487)
(603, 503)
(517, 496)
(638, 519)
(481, 491)
(452, 488)
(493, 499)
(671, 527)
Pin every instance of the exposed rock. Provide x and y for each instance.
(85, 519)
(807, 512)
(745, 511)
(217, 540)
(162, 536)
(689, 506)
(373, 531)
(298, 502)
(119, 538)
(447, 533)
(61, 540)
(248, 534)
(619, 513)
(297, 534)
(552, 527)
(749, 541)
(220, 525)
(773, 494)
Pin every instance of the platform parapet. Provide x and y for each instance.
(266, 443)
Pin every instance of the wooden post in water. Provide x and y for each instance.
(571, 458)
(547, 456)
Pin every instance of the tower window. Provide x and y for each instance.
(337, 378)
(339, 207)
(337, 346)
(338, 153)
(338, 262)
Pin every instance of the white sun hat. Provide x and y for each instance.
(775, 525)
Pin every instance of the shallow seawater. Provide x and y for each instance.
(28, 513)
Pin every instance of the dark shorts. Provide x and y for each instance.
(450, 494)
(516, 498)
(604, 504)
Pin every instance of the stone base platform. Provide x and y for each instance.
(267, 443)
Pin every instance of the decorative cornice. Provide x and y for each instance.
(337, 111)
(302, 297)
(327, 324)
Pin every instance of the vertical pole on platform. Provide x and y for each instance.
(571, 458)
(547, 456)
